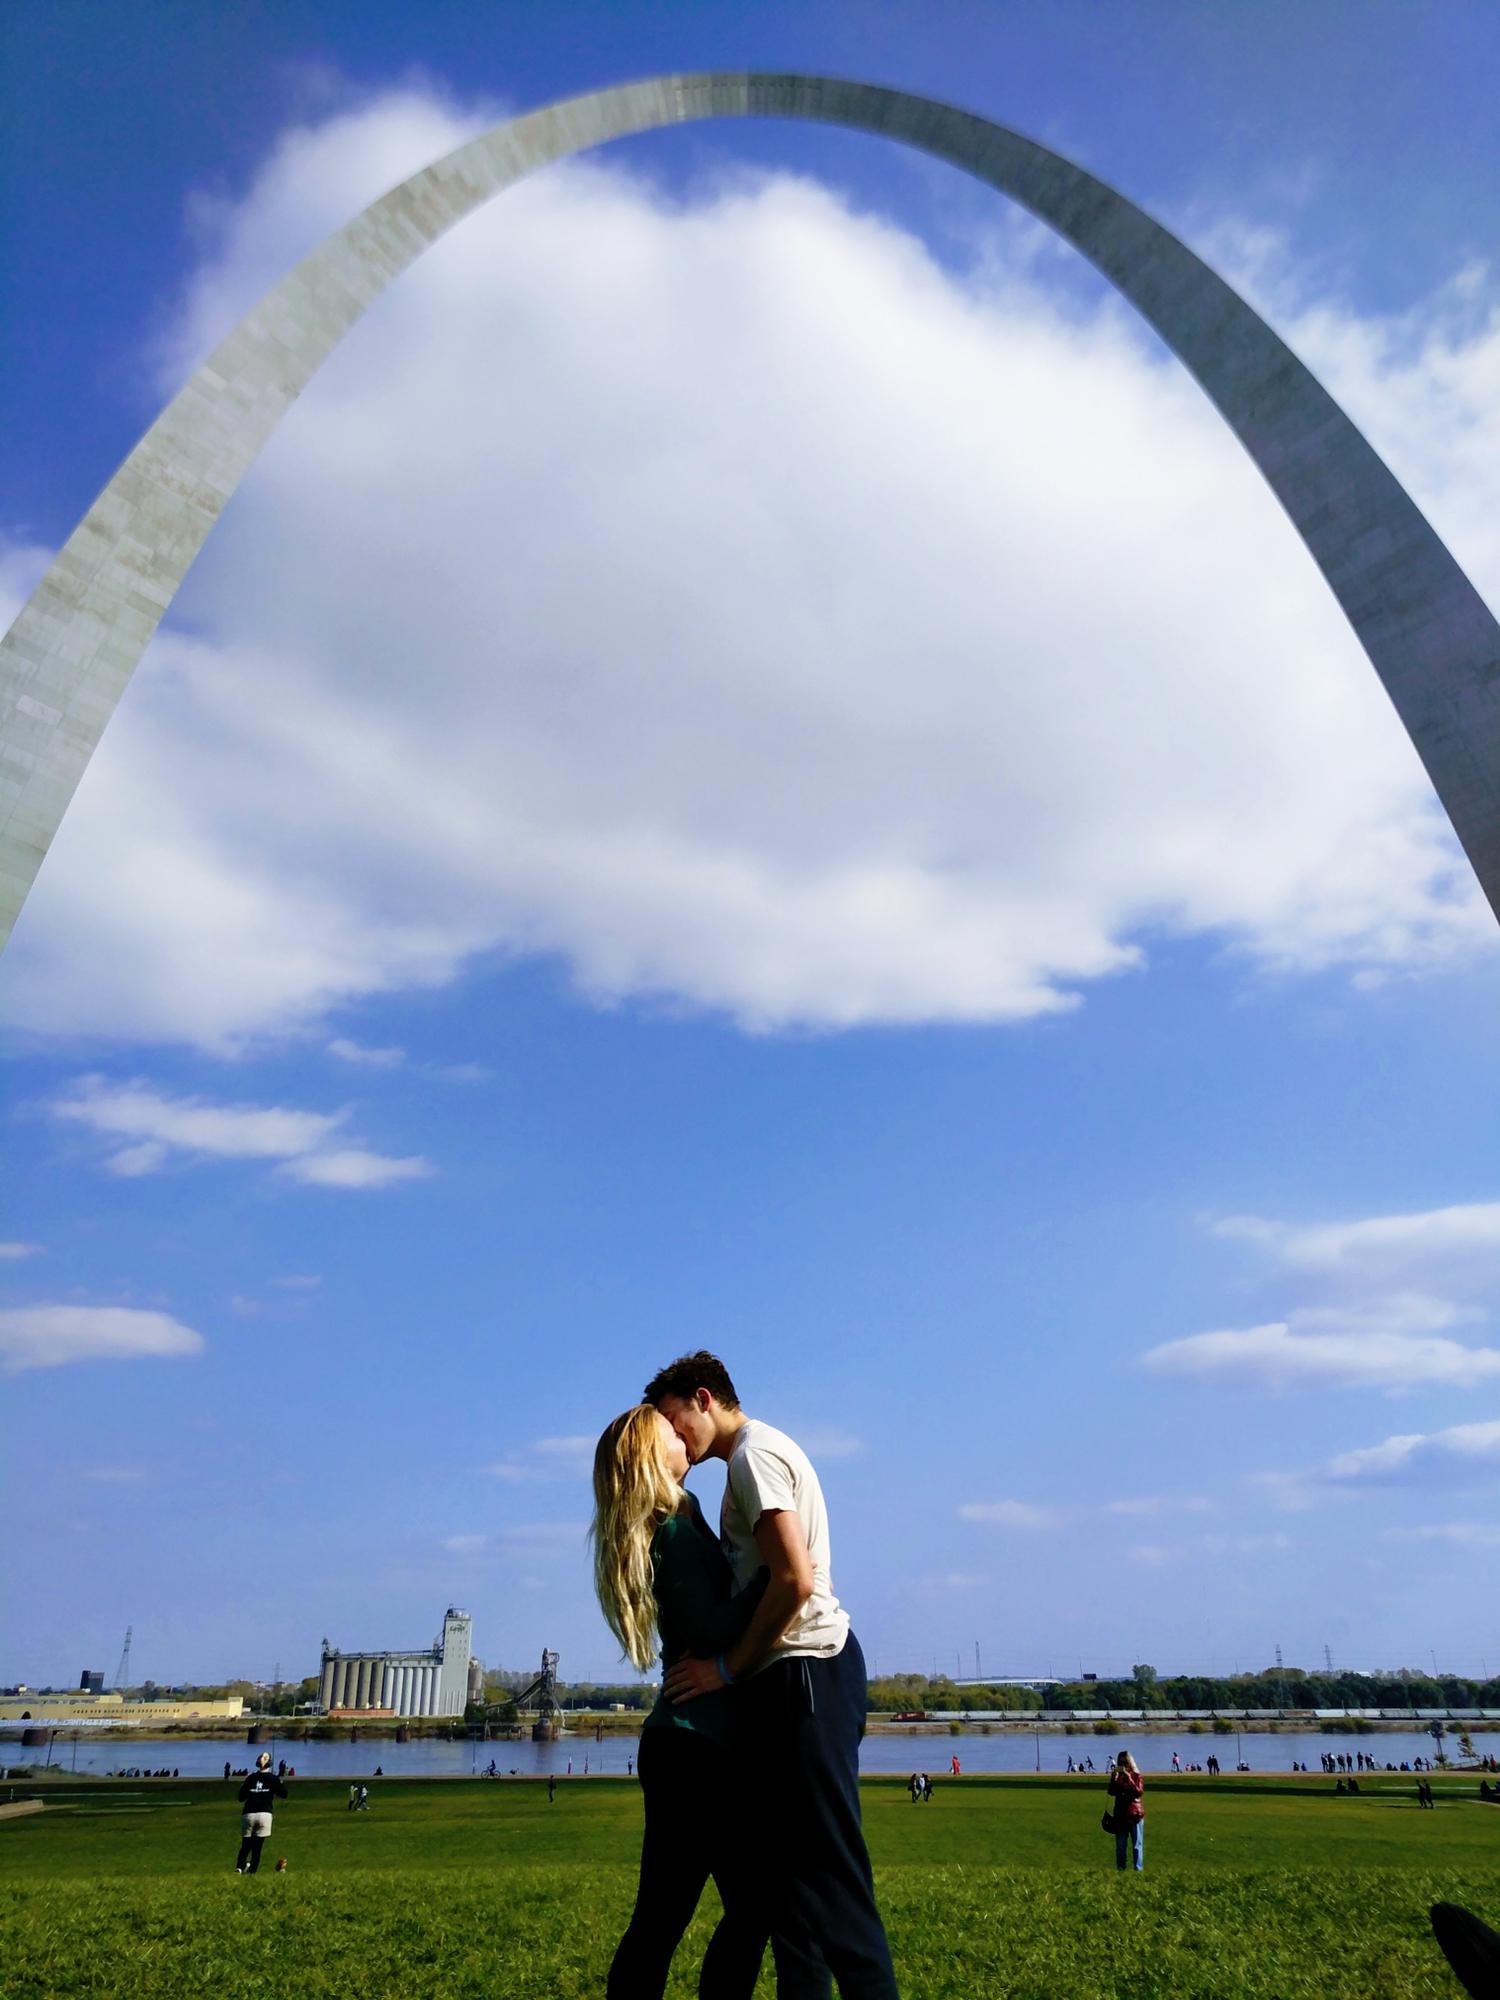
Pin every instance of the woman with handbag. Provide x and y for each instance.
(1127, 1817)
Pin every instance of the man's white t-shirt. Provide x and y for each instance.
(768, 1472)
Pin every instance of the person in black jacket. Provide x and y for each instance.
(257, 1795)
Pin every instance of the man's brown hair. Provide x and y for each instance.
(683, 1378)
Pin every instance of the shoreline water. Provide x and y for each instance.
(578, 1758)
(588, 1727)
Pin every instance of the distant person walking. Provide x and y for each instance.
(258, 1796)
(1125, 1787)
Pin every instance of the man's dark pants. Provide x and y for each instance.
(805, 1719)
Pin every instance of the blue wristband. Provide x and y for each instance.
(724, 1674)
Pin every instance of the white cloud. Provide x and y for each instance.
(1148, 1506)
(367, 1058)
(1023, 665)
(13, 1253)
(547, 1458)
(542, 1537)
(821, 1442)
(1161, 1555)
(1151, 1555)
(459, 1072)
(163, 1128)
(1324, 1349)
(352, 1167)
(465, 1545)
(1455, 1456)
(221, 1131)
(1463, 1455)
(1008, 1514)
(1462, 1534)
(298, 1281)
(1382, 1248)
(51, 1336)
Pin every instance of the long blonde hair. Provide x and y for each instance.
(633, 1494)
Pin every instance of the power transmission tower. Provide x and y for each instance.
(1328, 1658)
(1280, 1680)
(123, 1669)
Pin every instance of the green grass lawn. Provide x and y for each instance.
(1271, 1890)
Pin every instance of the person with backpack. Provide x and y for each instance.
(1128, 1815)
(258, 1795)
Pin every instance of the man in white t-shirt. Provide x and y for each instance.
(804, 1694)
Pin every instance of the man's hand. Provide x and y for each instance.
(690, 1678)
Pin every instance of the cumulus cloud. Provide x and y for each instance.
(13, 1253)
(1017, 1514)
(1324, 1349)
(163, 1128)
(677, 589)
(51, 1336)
(1393, 1293)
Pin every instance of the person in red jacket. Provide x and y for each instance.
(1125, 1787)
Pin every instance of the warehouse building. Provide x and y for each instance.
(432, 1682)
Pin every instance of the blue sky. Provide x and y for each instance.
(751, 768)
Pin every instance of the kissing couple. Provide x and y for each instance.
(749, 1762)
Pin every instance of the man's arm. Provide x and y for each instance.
(783, 1550)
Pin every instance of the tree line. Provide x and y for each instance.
(1272, 1687)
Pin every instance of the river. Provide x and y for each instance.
(919, 1750)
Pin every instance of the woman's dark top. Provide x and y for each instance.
(698, 1611)
(261, 1790)
(1126, 1788)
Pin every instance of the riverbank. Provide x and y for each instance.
(601, 1726)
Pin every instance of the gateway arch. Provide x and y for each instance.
(65, 662)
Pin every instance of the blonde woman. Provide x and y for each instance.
(1125, 1787)
(665, 1585)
